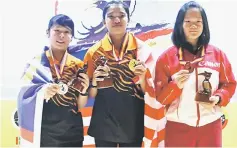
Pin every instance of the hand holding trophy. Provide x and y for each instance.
(205, 94)
(102, 73)
(102, 68)
(77, 82)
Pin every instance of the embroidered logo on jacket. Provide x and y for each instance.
(209, 64)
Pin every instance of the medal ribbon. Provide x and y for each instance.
(181, 61)
(59, 70)
(123, 48)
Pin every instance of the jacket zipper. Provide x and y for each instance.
(198, 111)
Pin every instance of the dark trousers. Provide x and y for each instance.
(71, 144)
(102, 143)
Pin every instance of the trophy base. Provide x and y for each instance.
(76, 84)
(203, 97)
(107, 82)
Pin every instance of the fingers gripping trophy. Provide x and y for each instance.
(76, 83)
(102, 67)
(205, 94)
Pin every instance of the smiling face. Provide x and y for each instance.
(60, 37)
(116, 20)
(192, 25)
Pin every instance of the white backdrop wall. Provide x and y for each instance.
(23, 31)
(23, 24)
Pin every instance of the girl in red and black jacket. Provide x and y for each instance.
(181, 73)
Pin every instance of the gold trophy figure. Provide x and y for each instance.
(205, 94)
(108, 81)
(101, 61)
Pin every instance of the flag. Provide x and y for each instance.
(154, 117)
(30, 100)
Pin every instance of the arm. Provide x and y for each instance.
(82, 100)
(146, 66)
(100, 71)
(93, 90)
(147, 70)
(227, 82)
(90, 70)
(83, 96)
(143, 85)
(166, 89)
(140, 72)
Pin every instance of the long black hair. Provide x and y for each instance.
(178, 36)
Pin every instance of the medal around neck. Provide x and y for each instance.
(63, 88)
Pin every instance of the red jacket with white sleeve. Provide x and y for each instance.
(182, 105)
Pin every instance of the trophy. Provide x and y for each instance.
(101, 61)
(76, 83)
(108, 81)
(205, 94)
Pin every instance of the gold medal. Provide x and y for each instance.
(132, 64)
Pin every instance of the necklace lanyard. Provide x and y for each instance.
(123, 48)
(58, 70)
(181, 61)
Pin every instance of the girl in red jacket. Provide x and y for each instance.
(193, 79)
